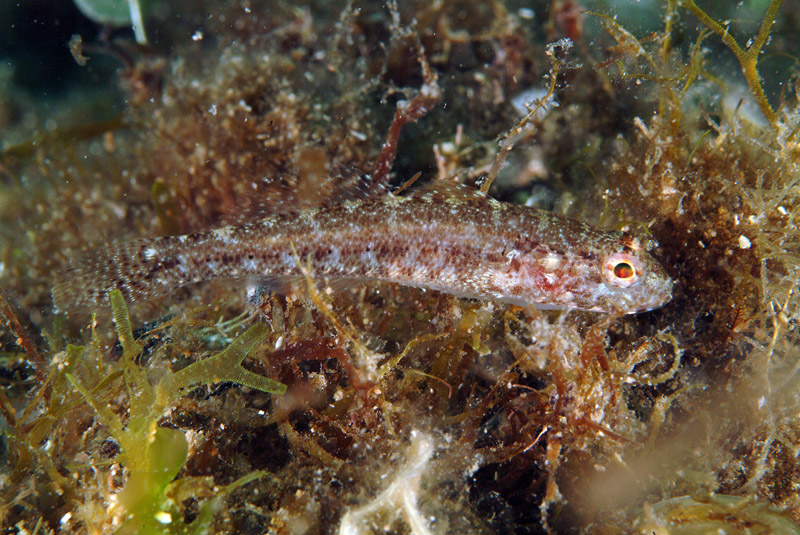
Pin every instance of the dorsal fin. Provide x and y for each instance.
(449, 189)
(294, 193)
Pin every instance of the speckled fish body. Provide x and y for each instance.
(452, 239)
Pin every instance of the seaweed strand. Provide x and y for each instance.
(748, 58)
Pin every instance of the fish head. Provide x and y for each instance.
(603, 272)
(632, 280)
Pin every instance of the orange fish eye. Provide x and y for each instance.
(622, 269)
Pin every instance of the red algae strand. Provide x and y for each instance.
(444, 237)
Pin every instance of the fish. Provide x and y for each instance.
(442, 236)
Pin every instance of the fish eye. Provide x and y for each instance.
(622, 269)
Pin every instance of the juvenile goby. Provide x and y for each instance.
(453, 239)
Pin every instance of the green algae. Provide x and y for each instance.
(154, 455)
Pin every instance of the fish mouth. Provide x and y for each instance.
(660, 292)
(653, 294)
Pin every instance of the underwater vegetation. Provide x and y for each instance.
(316, 407)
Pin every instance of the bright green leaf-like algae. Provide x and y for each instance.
(151, 454)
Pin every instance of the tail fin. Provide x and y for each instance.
(141, 269)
